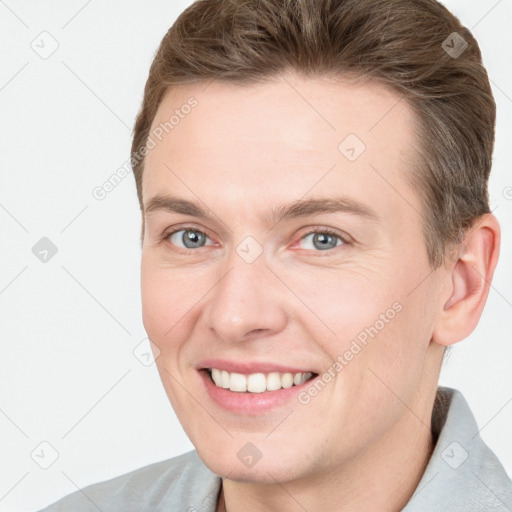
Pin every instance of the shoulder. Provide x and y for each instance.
(181, 483)
(463, 473)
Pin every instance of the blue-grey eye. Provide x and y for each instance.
(322, 241)
(189, 238)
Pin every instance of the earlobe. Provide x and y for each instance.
(470, 279)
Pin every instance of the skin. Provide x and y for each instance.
(363, 442)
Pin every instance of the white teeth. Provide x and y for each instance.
(237, 382)
(257, 382)
(216, 376)
(273, 381)
(287, 380)
(224, 379)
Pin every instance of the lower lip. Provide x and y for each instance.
(250, 403)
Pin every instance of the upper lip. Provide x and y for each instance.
(248, 367)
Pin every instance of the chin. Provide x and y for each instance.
(266, 470)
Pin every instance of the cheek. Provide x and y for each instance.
(154, 303)
(343, 303)
(396, 356)
(159, 300)
(171, 298)
(375, 322)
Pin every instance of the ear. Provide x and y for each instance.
(469, 275)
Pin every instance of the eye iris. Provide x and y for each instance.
(192, 239)
(325, 240)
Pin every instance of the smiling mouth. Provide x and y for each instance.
(257, 382)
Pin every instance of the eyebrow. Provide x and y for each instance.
(295, 209)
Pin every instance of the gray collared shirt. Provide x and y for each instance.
(463, 474)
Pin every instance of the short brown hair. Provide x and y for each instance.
(404, 44)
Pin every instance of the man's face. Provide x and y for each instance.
(247, 291)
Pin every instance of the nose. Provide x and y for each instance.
(246, 302)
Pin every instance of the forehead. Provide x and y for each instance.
(288, 131)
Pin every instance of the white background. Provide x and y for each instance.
(68, 375)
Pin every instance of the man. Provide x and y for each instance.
(316, 232)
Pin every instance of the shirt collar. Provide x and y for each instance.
(463, 473)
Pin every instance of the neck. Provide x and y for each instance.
(383, 477)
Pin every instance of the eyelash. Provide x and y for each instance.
(326, 231)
